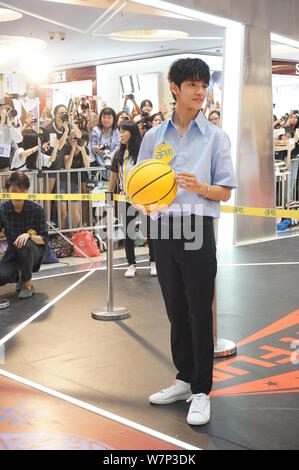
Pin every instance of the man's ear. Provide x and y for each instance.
(174, 88)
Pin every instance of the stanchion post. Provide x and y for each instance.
(110, 313)
(222, 347)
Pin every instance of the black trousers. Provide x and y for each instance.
(187, 280)
(129, 214)
(28, 259)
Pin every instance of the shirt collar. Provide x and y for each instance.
(200, 121)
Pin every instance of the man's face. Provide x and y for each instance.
(17, 203)
(191, 94)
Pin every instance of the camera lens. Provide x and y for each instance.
(12, 113)
(65, 117)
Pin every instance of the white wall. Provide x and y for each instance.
(108, 76)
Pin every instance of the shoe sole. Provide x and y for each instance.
(170, 400)
(198, 424)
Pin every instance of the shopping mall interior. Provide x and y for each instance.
(80, 359)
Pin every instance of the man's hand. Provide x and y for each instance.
(189, 182)
(21, 240)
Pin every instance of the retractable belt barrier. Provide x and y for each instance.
(237, 210)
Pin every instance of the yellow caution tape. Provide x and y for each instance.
(237, 210)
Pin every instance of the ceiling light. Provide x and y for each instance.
(9, 15)
(14, 47)
(148, 35)
(36, 67)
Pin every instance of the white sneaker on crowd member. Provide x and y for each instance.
(131, 271)
(199, 411)
(178, 391)
(153, 269)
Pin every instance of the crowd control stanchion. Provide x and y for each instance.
(222, 347)
(111, 312)
(4, 303)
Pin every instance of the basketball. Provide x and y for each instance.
(152, 183)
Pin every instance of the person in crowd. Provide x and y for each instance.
(25, 157)
(105, 136)
(9, 135)
(187, 267)
(214, 117)
(157, 119)
(24, 226)
(122, 164)
(122, 116)
(46, 119)
(135, 111)
(60, 128)
(165, 112)
(146, 109)
(77, 156)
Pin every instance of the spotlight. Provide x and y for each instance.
(51, 35)
(62, 36)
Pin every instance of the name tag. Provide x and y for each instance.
(164, 153)
(5, 150)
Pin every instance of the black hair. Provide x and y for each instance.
(157, 114)
(188, 69)
(18, 178)
(134, 142)
(214, 111)
(120, 113)
(110, 112)
(57, 107)
(143, 103)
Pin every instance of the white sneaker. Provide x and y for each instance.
(199, 411)
(153, 269)
(176, 392)
(131, 271)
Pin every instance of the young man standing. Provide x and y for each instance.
(199, 153)
(23, 223)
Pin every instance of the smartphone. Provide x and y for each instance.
(53, 138)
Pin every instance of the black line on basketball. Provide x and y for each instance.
(153, 181)
(138, 169)
(155, 202)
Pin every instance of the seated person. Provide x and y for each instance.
(23, 223)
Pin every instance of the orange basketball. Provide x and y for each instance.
(152, 183)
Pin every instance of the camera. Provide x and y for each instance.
(131, 96)
(79, 141)
(146, 125)
(12, 113)
(145, 114)
(84, 139)
(65, 117)
(107, 159)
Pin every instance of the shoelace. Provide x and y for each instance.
(197, 401)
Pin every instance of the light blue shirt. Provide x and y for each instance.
(204, 150)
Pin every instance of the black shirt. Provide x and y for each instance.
(32, 217)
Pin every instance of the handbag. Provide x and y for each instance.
(86, 242)
(61, 247)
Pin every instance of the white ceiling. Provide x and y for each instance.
(85, 48)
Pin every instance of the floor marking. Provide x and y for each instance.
(43, 309)
(99, 411)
